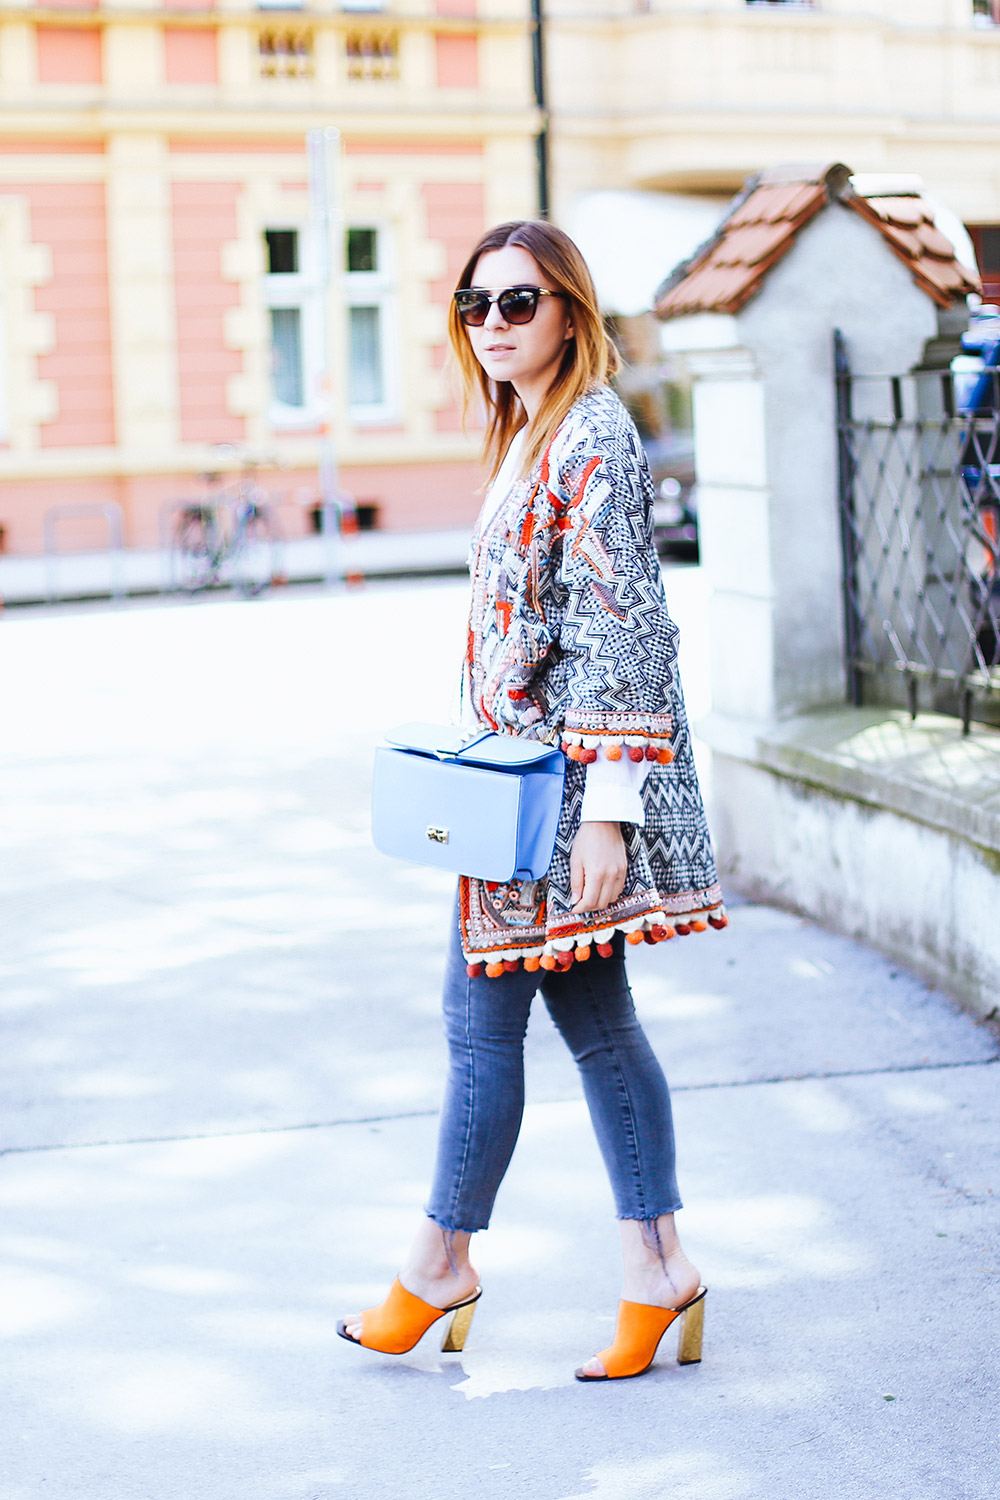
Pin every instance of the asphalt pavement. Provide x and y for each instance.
(220, 1065)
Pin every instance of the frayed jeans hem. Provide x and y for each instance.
(454, 1228)
(649, 1218)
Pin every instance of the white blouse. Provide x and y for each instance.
(613, 793)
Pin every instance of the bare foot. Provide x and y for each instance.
(431, 1273)
(669, 1281)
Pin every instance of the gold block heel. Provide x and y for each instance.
(692, 1327)
(458, 1329)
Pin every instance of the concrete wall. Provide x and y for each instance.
(866, 821)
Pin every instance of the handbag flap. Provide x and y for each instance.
(472, 747)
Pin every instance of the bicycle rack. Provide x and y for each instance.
(113, 514)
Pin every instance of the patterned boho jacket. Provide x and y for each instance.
(570, 641)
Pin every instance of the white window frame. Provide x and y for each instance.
(299, 289)
(374, 289)
(363, 5)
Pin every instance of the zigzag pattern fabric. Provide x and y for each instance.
(570, 641)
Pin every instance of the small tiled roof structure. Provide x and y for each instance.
(761, 227)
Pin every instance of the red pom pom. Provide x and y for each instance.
(588, 756)
(652, 753)
(682, 929)
(605, 950)
(511, 965)
(474, 971)
(494, 971)
(648, 937)
(658, 934)
(565, 959)
(719, 922)
(636, 753)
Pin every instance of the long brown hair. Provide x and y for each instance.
(589, 358)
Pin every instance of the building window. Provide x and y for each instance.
(372, 56)
(296, 353)
(285, 52)
(986, 12)
(369, 293)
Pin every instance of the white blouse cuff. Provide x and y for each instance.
(613, 792)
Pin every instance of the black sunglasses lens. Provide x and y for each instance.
(517, 304)
(473, 307)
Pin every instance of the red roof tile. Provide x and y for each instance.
(730, 269)
(907, 225)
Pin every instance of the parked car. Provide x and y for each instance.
(675, 509)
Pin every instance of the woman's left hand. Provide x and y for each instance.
(598, 866)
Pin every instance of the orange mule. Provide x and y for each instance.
(639, 1331)
(400, 1322)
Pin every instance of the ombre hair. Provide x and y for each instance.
(589, 358)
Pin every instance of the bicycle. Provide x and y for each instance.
(227, 539)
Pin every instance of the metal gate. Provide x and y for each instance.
(919, 465)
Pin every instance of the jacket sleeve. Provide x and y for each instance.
(616, 638)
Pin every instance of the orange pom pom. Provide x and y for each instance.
(699, 926)
(531, 964)
(582, 954)
(612, 752)
(633, 937)
(669, 932)
(547, 961)
(664, 757)
(494, 970)
(575, 752)
(605, 950)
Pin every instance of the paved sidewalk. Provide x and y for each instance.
(220, 1065)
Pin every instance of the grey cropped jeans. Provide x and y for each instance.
(626, 1092)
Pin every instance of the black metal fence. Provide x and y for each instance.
(920, 530)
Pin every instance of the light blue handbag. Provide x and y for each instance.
(472, 802)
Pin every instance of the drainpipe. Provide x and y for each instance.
(538, 78)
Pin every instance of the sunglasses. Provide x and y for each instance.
(517, 304)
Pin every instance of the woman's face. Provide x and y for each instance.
(527, 354)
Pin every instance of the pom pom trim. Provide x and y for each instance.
(559, 954)
(585, 748)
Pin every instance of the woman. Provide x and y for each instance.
(569, 642)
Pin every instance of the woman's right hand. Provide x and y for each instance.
(598, 865)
